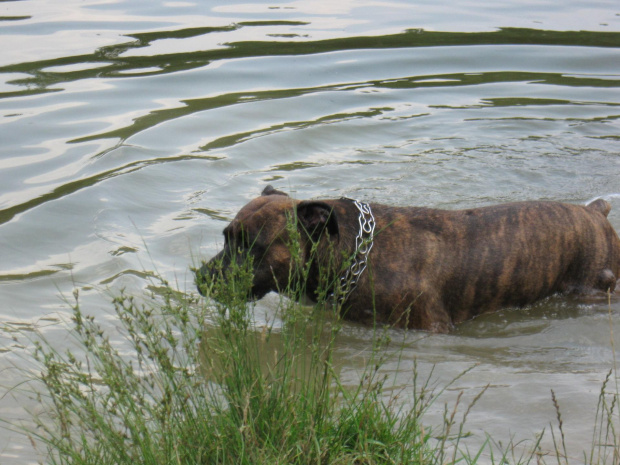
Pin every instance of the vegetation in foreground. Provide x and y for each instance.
(189, 382)
(193, 383)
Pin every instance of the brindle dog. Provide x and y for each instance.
(428, 269)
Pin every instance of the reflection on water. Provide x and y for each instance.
(132, 132)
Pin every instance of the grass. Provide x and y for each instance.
(188, 381)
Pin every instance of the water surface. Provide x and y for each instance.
(132, 132)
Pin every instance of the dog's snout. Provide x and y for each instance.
(208, 272)
(202, 276)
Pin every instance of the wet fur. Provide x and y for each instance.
(430, 269)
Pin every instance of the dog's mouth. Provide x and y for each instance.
(207, 278)
(203, 283)
(211, 280)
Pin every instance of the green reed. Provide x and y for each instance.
(181, 380)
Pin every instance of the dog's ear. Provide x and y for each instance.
(317, 217)
(269, 190)
(600, 206)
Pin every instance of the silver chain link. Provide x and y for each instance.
(363, 245)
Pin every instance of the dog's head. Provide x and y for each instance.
(275, 233)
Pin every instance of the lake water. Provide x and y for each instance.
(132, 131)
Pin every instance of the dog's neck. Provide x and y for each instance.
(359, 260)
(333, 272)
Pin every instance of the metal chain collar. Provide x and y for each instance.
(363, 245)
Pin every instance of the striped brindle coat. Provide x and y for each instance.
(428, 269)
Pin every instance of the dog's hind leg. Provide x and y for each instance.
(423, 311)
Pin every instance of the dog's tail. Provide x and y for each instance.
(600, 206)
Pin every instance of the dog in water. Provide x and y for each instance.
(419, 267)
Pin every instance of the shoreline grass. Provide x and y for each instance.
(182, 391)
(187, 381)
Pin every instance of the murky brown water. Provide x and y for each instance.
(132, 131)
